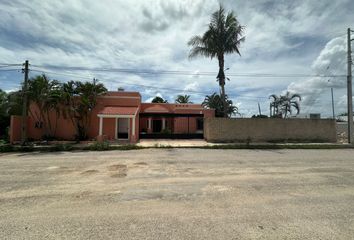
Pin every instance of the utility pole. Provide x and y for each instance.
(332, 103)
(24, 107)
(259, 109)
(350, 93)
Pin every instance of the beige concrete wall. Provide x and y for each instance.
(269, 130)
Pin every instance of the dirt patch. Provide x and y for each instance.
(119, 175)
(83, 194)
(141, 163)
(117, 167)
(90, 172)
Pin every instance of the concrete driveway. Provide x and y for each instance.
(178, 194)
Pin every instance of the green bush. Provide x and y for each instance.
(166, 131)
(61, 147)
(99, 146)
(126, 147)
(6, 148)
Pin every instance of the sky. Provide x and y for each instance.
(290, 41)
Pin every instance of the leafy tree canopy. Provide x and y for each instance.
(183, 99)
(283, 105)
(214, 101)
(158, 99)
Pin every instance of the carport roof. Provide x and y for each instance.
(118, 111)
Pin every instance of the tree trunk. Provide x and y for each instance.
(221, 78)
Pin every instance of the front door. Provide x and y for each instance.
(123, 128)
(156, 126)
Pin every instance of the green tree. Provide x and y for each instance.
(214, 101)
(4, 116)
(46, 95)
(224, 36)
(79, 99)
(14, 103)
(275, 106)
(10, 104)
(158, 99)
(183, 99)
(283, 105)
(3, 103)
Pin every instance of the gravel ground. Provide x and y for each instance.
(178, 194)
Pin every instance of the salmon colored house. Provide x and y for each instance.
(121, 115)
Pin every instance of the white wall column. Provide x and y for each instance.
(116, 131)
(149, 123)
(133, 127)
(101, 126)
(163, 123)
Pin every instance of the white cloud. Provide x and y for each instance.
(331, 61)
(152, 97)
(194, 86)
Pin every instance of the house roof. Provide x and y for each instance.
(123, 94)
(156, 109)
(118, 111)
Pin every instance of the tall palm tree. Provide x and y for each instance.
(214, 101)
(183, 99)
(224, 36)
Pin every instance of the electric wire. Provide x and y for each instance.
(146, 86)
(188, 73)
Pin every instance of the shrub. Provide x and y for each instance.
(99, 146)
(166, 131)
(6, 148)
(61, 147)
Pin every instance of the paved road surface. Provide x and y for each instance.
(178, 194)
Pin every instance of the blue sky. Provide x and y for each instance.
(282, 37)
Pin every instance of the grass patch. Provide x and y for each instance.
(61, 147)
(99, 146)
(126, 147)
(106, 146)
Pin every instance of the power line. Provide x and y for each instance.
(147, 86)
(62, 74)
(7, 70)
(11, 64)
(189, 73)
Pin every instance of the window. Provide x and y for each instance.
(200, 124)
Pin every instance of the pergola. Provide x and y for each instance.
(116, 113)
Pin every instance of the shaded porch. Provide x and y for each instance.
(171, 126)
(118, 123)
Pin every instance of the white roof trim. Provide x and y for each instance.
(136, 112)
(114, 116)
